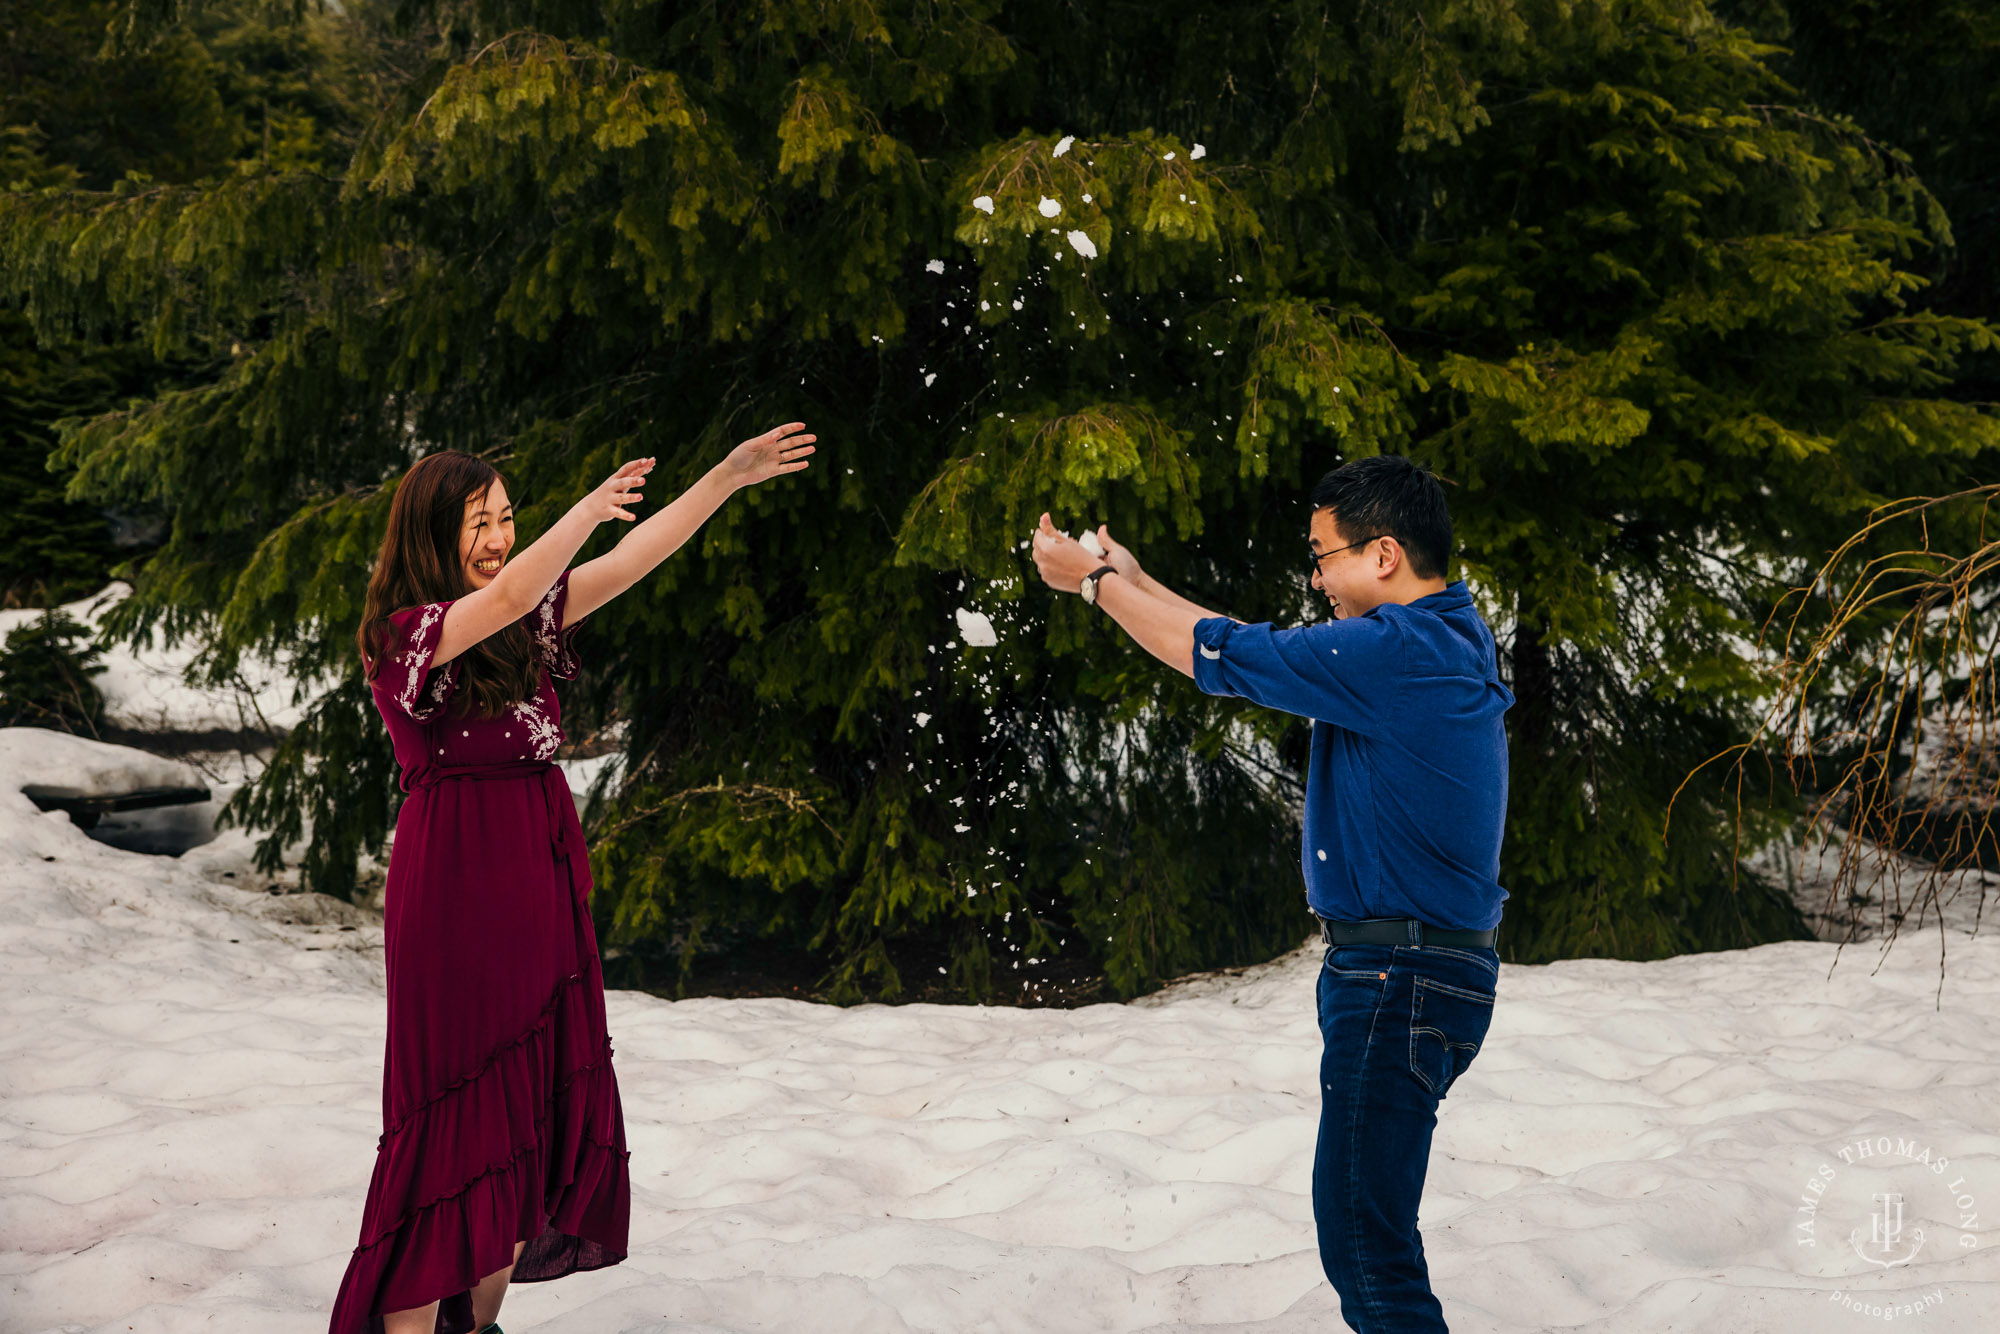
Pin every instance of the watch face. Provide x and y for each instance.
(1089, 590)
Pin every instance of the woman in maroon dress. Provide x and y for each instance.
(502, 1156)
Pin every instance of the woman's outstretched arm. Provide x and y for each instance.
(524, 580)
(772, 454)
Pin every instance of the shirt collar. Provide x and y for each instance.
(1451, 597)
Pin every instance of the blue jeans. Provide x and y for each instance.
(1400, 1023)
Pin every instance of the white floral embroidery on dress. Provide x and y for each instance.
(440, 687)
(547, 639)
(544, 733)
(545, 625)
(414, 657)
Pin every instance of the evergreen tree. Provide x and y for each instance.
(1924, 77)
(183, 109)
(1156, 267)
(45, 670)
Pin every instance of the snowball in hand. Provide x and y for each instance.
(975, 629)
(1090, 543)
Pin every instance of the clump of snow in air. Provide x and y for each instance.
(1090, 543)
(193, 1075)
(1196, 153)
(1049, 207)
(1062, 145)
(984, 204)
(935, 266)
(929, 378)
(975, 629)
(1083, 245)
(1170, 157)
(923, 720)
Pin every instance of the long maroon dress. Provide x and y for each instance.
(500, 1112)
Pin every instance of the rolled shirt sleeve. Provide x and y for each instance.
(1344, 672)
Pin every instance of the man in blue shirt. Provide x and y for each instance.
(1406, 802)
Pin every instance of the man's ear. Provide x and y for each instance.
(1388, 560)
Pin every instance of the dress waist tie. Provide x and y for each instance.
(565, 830)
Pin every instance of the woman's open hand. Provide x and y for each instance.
(780, 450)
(617, 491)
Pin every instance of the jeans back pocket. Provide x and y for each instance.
(1447, 1026)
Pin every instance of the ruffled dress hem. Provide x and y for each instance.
(541, 1111)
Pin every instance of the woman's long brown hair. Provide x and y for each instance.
(419, 563)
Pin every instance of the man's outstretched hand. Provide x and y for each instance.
(1119, 557)
(1062, 560)
(1163, 626)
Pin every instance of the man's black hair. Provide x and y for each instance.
(1386, 495)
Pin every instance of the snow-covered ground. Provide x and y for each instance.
(190, 1068)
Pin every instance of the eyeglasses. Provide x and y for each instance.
(1317, 557)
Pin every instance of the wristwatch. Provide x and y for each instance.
(1089, 589)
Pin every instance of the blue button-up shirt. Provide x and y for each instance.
(1406, 791)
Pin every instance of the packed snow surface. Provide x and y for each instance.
(190, 1067)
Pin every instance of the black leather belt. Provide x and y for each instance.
(1399, 931)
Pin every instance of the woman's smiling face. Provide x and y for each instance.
(486, 536)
